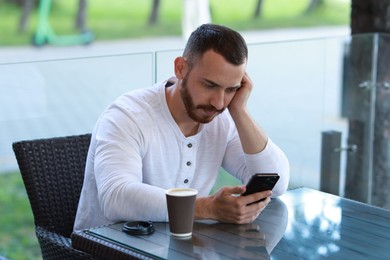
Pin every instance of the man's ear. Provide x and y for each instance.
(181, 67)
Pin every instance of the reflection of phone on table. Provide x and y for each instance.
(261, 182)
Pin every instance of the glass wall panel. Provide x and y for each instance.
(296, 97)
(63, 97)
(164, 67)
(302, 89)
(366, 96)
(381, 150)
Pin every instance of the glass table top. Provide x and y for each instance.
(303, 223)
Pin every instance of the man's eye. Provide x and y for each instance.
(231, 90)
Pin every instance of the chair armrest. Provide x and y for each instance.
(55, 246)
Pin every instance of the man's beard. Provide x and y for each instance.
(190, 106)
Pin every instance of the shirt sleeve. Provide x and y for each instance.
(118, 171)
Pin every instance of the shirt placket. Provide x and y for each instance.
(188, 163)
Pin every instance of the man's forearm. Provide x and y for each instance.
(202, 208)
(252, 137)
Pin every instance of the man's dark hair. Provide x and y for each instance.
(224, 41)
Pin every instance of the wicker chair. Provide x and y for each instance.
(53, 172)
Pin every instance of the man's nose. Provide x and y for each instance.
(218, 100)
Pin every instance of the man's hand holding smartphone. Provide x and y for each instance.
(261, 182)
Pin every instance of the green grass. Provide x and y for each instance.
(122, 19)
(17, 234)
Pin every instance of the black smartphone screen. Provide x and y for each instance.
(261, 182)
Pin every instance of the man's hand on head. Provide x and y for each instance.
(241, 97)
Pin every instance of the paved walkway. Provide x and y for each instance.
(99, 48)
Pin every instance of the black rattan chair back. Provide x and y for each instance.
(53, 172)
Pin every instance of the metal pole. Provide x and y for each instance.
(330, 162)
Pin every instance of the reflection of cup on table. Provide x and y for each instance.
(181, 210)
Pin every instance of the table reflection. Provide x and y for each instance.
(247, 241)
(317, 220)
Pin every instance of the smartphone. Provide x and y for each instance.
(261, 182)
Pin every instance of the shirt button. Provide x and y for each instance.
(186, 181)
(189, 145)
(188, 163)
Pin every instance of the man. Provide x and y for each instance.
(179, 133)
